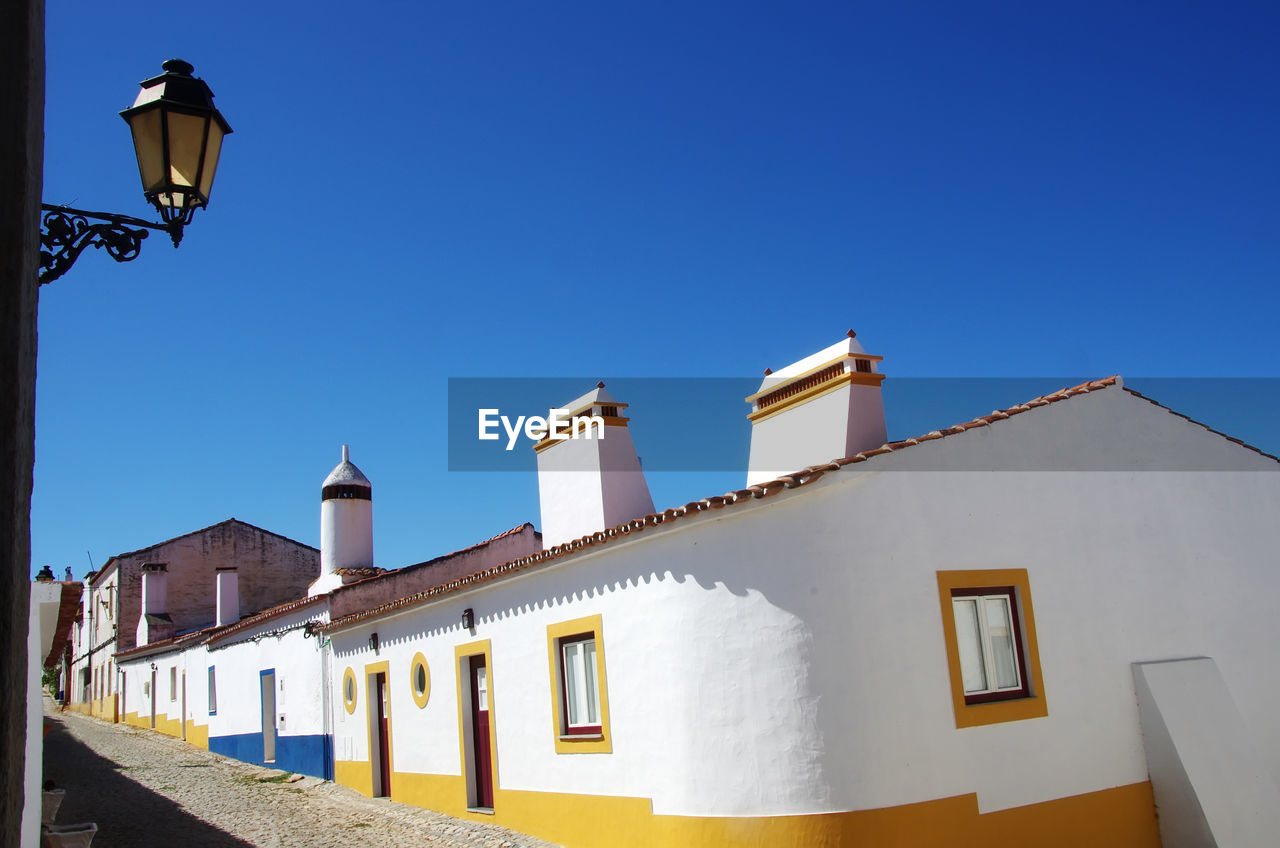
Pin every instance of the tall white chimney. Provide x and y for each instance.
(154, 623)
(591, 480)
(228, 589)
(346, 524)
(826, 406)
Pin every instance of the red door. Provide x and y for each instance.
(480, 731)
(384, 734)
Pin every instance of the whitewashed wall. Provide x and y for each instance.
(137, 672)
(44, 603)
(787, 656)
(296, 659)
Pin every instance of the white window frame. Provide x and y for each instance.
(993, 691)
(583, 699)
(213, 691)
(173, 683)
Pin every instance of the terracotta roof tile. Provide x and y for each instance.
(69, 610)
(370, 571)
(165, 645)
(259, 617)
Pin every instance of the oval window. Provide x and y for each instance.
(349, 690)
(419, 680)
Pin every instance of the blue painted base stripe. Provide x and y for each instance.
(310, 755)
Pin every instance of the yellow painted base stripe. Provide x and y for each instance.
(358, 775)
(197, 734)
(103, 708)
(1123, 817)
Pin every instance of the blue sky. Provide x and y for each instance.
(420, 191)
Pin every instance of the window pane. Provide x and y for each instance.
(972, 669)
(589, 675)
(1001, 633)
(573, 681)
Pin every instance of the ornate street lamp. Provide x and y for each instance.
(177, 135)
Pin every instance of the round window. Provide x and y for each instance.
(419, 680)
(349, 690)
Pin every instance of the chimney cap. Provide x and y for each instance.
(346, 473)
(598, 395)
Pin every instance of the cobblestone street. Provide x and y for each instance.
(147, 790)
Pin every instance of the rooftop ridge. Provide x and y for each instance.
(290, 606)
(795, 480)
(101, 571)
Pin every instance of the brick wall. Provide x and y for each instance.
(271, 570)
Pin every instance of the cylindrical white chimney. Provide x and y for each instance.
(346, 524)
(228, 611)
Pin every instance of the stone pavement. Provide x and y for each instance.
(146, 790)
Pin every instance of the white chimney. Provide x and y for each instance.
(826, 406)
(228, 588)
(591, 480)
(346, 524)
(154, 623)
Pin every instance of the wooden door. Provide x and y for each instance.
(480, 731)
(383, 719)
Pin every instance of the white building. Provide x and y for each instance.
(932, 641)
(1040, 627)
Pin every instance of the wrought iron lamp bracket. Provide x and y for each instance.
(66, 232)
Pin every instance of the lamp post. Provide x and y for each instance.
(177, 136)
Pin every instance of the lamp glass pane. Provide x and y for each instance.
(212, 151)
(148, 144)
(186, 141)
